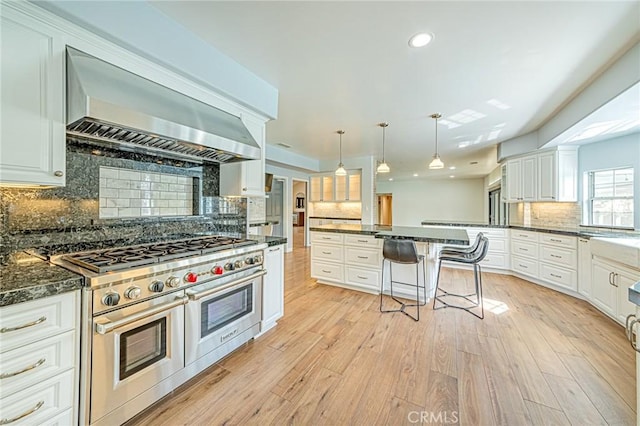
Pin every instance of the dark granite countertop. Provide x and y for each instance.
(26, 278)
(269, 240)
(415, 233)
(335, 217)
(634, 293)
(265, 223)
(576, 232)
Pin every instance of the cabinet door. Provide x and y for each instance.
(327, 188)
(341, 188)
(584, 267)
(547, 176)
(514, 186)
(603, 293)
(316, 188)
(32, 134)
(529, 178)
(354, 187)
(273, 288)
(623, 280)
(504, 192)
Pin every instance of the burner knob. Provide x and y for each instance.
(228, 267)
(258, 259)
(111, 299)
(238, 264)
(217, 270)
(132, 293)
(191, 277)
(156, 286)
(250, 260)
(173, 282)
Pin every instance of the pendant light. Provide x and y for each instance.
(436, 163)
(340, 171)
(383, 167)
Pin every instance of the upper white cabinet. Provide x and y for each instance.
(245, 178)
(32, 129)
(546, 176)
(328, 187)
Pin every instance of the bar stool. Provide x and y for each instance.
(403, 252)
(471, 258)
(462, 249)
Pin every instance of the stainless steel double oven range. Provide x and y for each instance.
(155, 315)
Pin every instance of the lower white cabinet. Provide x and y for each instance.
(273, 287)
(584, 267)
(610, 284)
(38, 360)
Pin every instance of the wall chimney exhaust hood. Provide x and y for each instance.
(111, 106)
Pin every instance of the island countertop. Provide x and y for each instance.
(415, 233)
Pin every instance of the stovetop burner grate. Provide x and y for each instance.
(120, 258)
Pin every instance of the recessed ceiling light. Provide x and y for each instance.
(415, 175)
(452, 168)
(390, 179)
(420, 40)
(451, 176)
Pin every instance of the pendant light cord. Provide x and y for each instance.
(383, 131)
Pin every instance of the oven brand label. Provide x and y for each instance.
(228, 335)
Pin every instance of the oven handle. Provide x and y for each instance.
(195, 296)
(107, 327)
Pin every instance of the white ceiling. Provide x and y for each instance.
(347, 65)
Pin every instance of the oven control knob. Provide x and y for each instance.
(250, 260)
(228, 266)
(191, 277)
(238, 264)
(173, 282)
(156, 286)
(132, 292)
(258, 259)
(217, 270)
(111, 299)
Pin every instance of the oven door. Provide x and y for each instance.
(216, 315)
(135, 348)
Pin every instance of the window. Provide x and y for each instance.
(610, 198)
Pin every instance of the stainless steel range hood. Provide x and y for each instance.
(109, 105)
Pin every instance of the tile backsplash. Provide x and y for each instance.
(127, 193)
(346, 210)
(546, 215)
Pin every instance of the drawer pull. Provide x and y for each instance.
(23, 415)
(556, 256)
(555, 276)
(523, 235)
(522, 249)
(325, 271)
(522, 266)
(363, 241)
(555, 240)
(363, 257)
(326, 238)
(326, 252)
(20, 327)
(24, 370)
(361, 277)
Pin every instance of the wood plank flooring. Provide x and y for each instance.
(539, 357)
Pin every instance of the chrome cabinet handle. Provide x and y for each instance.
(274, 249)
(556, 276)
(363, 241)
(522, 266)
(326, 252)
(109, 326)
(613, 281)
(361, 277)
(325, 271)
(610, 277)
(363, 257)
(556, 256)
(555, 240)
(629, 324)
(24, 370)
(23, 415)
(20, 327)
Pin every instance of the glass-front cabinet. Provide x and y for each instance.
(328, 187)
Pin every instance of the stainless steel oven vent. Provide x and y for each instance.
(108, 104)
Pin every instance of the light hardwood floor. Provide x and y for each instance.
(538, 357)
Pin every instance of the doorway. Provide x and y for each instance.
(274, 207)
(385, 215)
(299, 212)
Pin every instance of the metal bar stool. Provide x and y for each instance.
(471, 258)
(403, 252)
(462, 249)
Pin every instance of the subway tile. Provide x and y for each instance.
(159, 186)
(129, 193)
(128, 174)
(128, 212)
(168, 195)
(117, 202)
(108, 193)
(102, 182)
(168, 211)
(145, 211)
(108, 172)
(108, 212)
(145, 185)
(176, 188)
(168, 178)
(184, 180)
(139, 202)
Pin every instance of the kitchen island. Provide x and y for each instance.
(350, 256)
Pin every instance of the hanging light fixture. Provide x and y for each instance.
(383, 167)
(340, 171)
(436, 163)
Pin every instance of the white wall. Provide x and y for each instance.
(619, 152)
(434, 199)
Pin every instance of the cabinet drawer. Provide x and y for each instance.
(326, 252)
(36, 362)
(362, 240)
(363, 277)
(559, 240)
(329, 271)
(27, 322)
(44, 400)
(524, 266)
(559, 256)
(560, 276)
(326, 237)
(498, 245)
(524, 248)
(517, 234)
(488, 232)
(363, 257)
(495, 260)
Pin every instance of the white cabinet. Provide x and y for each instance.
(609, 288)
(273, 287)
(328, 187)
(32, 130)
(584, 267)
(245, 178)
(38, 359)
(546, 176)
